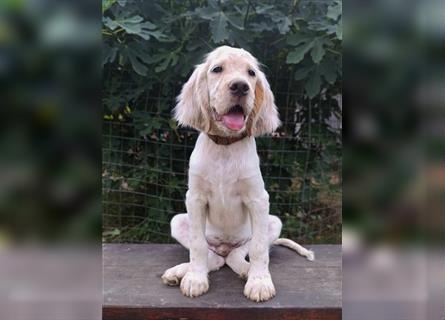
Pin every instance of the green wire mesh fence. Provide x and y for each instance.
(145, 162)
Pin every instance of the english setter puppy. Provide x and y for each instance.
(229, 100)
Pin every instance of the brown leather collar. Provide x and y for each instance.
(225, 141)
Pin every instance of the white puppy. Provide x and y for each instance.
(229, 100)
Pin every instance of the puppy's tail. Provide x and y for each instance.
(296, 247)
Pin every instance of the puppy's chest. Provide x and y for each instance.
(224, 187)
(221, 177)
(225, 204)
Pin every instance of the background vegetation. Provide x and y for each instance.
(149, 50)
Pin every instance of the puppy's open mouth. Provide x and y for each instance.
(234, 118)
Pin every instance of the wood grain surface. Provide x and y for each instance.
(133, 288)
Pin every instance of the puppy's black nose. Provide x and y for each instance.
(239, 88)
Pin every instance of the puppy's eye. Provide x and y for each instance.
(251, 73)
(217, 69)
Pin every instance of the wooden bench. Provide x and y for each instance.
(133, 289)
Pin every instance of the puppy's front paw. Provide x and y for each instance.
(194, 284)
(259, 287)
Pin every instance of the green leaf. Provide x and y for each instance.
(334, 10)
(112, 233)
(173, 124)
(235, 21)
(163, 65)
(130, 21)
(158, 35)
(134, 25)
(240, 39)
(319, 25)
(112, 25)
(213, 4)
(109, 54)
(328, 69)
(193, 45)
(317, 52)
(331, 29)
(339, 30)
(107, 4)
(282, 22)
(298, 54)
(313, 84)
(207, 13)
(174, 59)
(218, 27)
(298, 38)
(302, 73)
(284, 25)
(134, 29)
(140, 51)
(262, 26)
(263, 8)
(145, 131)
(138, 67)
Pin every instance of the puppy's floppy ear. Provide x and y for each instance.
(264, 118)
(192, 108)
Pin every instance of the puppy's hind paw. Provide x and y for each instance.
(170, 280)
(172, 276)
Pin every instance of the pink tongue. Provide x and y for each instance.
(233, 121)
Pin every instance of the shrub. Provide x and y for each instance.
(150, 48)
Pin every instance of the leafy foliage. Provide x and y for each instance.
(149, 49)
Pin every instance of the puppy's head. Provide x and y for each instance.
(228, 95)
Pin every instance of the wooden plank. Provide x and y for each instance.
(133, 289)
(111, 313)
